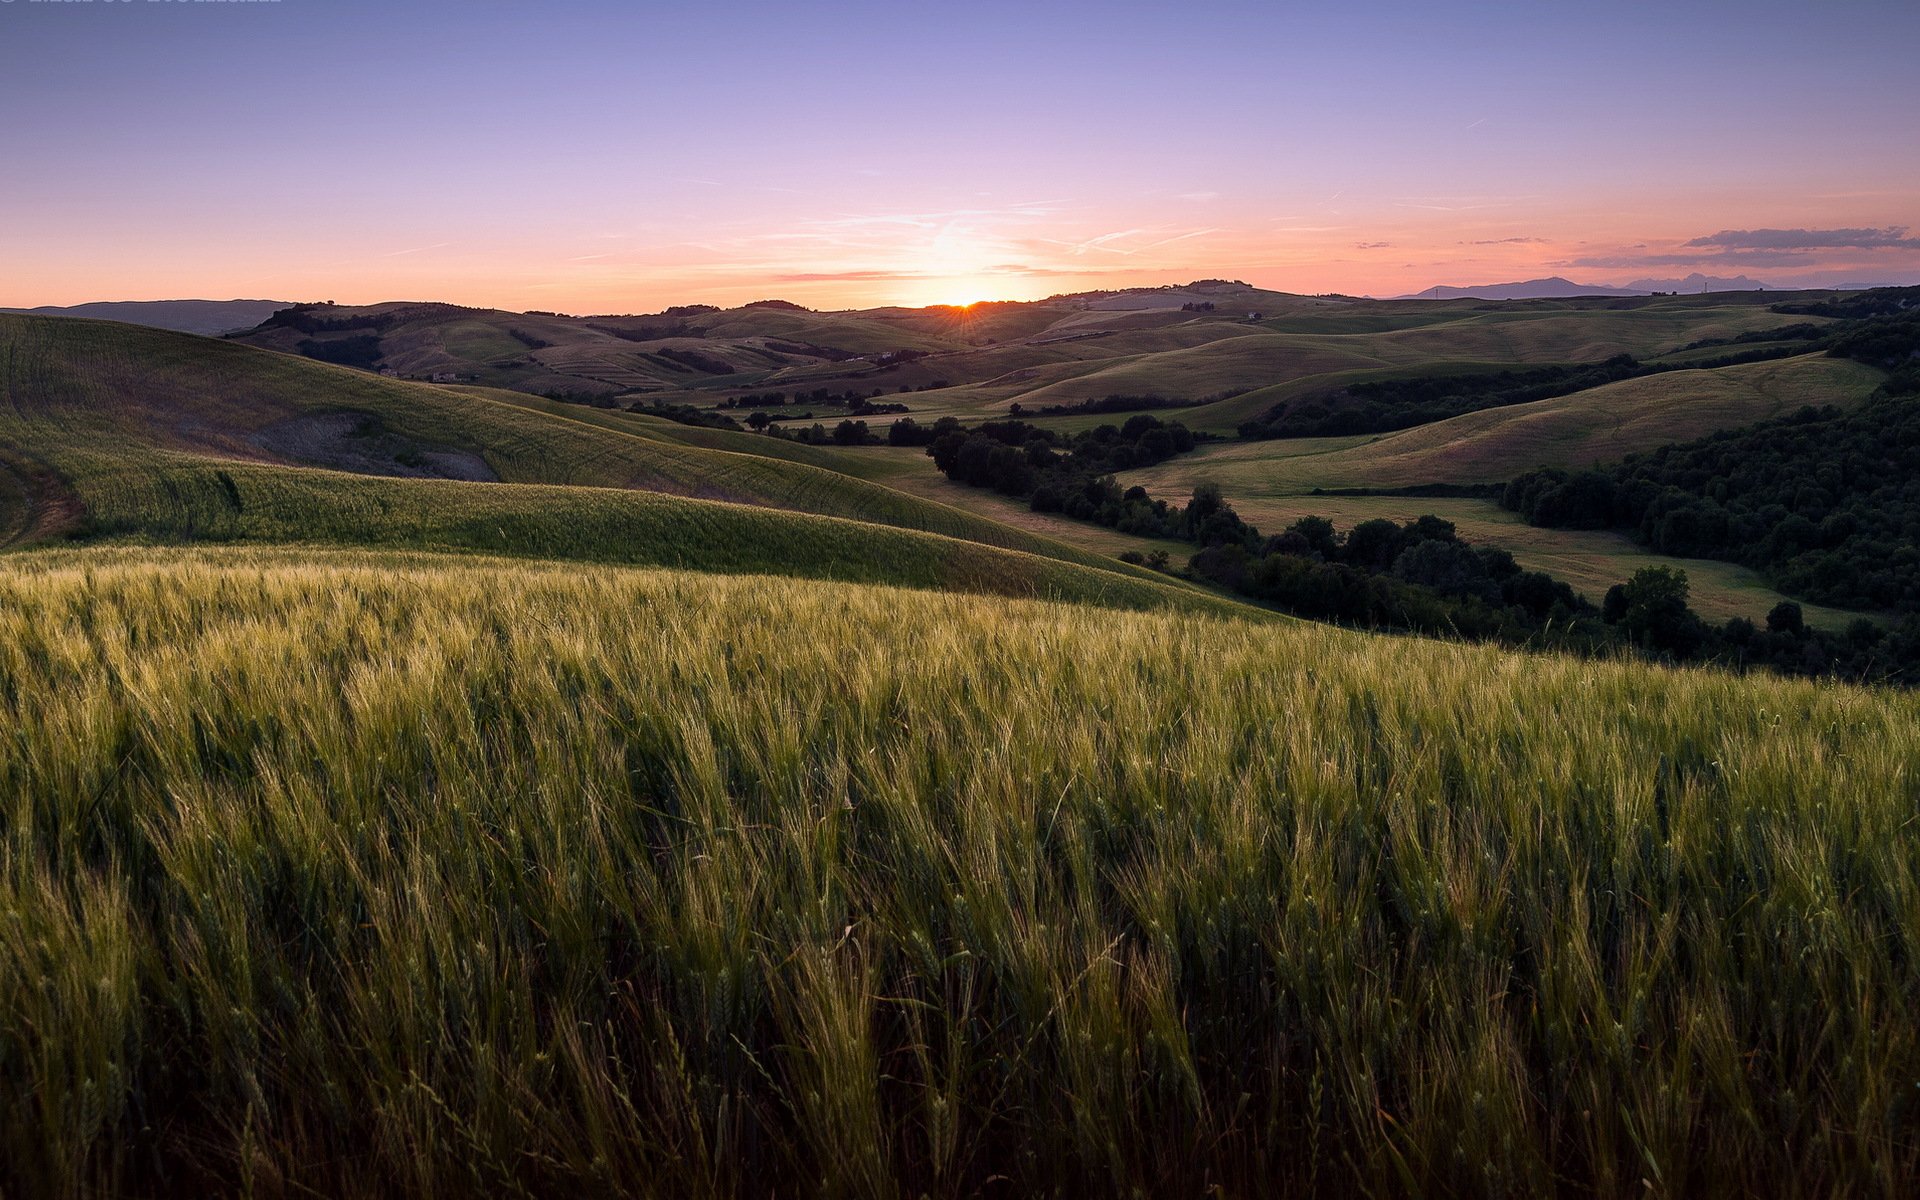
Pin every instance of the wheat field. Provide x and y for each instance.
(369, 873)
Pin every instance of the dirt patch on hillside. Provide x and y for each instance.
(35, 504)
(362, 444)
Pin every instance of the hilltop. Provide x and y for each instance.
(1212, 354)
(674, 403)
(1195, 342)
(183, 316)
(767, 343)
(115, 431)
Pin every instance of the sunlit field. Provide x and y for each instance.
(357, 873)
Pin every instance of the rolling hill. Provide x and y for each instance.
(110, 430)
(1274, 483)
(399, 773)
(1603, 423)
(1199, 341)
(182, 316)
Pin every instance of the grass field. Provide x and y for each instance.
(369, 874)
(1270, 482)
(1496, 444)
(281, 506)
(173, 437)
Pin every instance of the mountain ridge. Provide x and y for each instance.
(1553, 287)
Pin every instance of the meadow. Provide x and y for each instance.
(1273, 483)
(1576, 430)
(375, 873)
(114, 431)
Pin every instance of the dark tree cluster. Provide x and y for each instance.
(846, 433)
(1108, 404)
(1422, 577)
(677, 310)
(1825, 503)
(359, 350)
(1874, 302)
(857, 404)
(1804, 332)
(1066, 473)
(651, 333)
(909, 432)
(301, 317)
(529, 340)
(1891, 343)
(767, 400)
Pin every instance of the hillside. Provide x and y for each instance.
(1199, 341)
(1275, 482)
(110, 430)
(1601, 423)
(378, 874)
(183, 316)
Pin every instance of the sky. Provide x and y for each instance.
(593, 156)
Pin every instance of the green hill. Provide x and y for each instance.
(111, 430)
(1189, 343)
(1494, 445)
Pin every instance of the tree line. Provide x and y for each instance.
(1423, 577)
(1064, 473)
(1824, 503)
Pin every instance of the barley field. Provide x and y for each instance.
(361, 873)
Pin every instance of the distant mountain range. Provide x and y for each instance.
(1555, 287)
(185, 316)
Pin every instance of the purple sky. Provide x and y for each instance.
(593, 156)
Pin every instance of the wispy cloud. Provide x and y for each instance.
(1178, 237)
(849, 276)
(1762, 248)
(1112, 243)
(1371, 245)
(1730, 258)
(1892, 237)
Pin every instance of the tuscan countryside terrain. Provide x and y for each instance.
(877, 601)
(727, 801)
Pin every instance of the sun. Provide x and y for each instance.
(953, 291)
